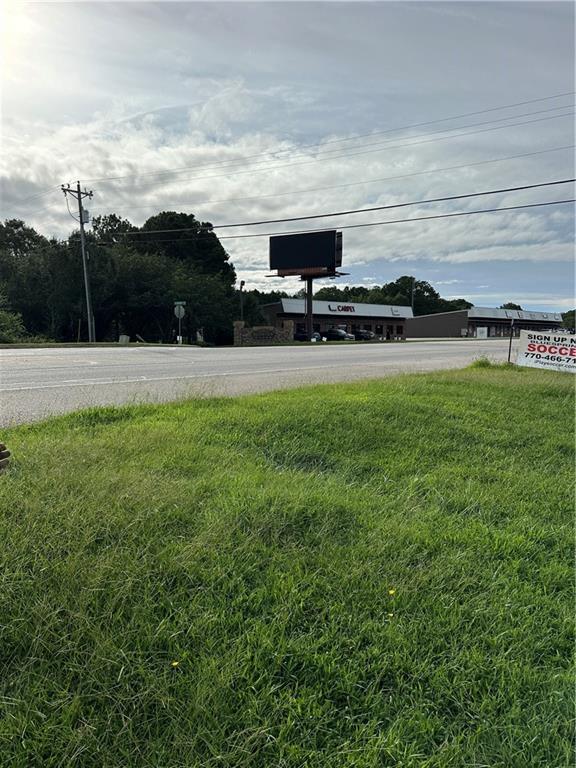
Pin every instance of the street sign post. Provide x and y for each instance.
(179, 311)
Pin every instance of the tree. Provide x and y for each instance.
(30, 268)
(106, 227)
(17, 240)
(510, 305)
(11, 325)
(181, 237)
(568, 319)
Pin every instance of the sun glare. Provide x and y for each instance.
(16, 32)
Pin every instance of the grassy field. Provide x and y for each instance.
(354, 576)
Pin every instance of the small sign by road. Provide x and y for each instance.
(547, 349)
(179, 311)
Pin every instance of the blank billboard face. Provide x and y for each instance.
(314, 249)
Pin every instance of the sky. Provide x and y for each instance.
(240, 112)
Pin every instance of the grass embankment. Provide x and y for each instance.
(361, 575)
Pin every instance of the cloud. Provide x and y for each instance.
(258, 103)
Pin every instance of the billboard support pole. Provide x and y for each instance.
(309, 315)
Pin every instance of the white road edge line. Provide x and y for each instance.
(145, 380)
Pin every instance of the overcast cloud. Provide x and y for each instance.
(259, 104)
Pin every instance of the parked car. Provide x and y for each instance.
(303, 336)
(363, 335)
(338, 334)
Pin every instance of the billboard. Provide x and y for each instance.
(307, 253)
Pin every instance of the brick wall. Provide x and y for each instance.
(262, 335)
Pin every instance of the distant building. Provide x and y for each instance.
(481, 322)
(387, 322)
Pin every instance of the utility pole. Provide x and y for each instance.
(78, 194)
(412, 297)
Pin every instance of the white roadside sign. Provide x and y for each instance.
(547, 349)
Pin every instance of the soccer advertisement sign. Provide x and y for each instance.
(550, 350)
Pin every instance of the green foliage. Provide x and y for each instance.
(351, 576)
(510, 305)
(189, 241)
(111, 228)
(136, 277)
(134, 280)
(253, 301)
(568, 319)
(11, 325)
(483, 363)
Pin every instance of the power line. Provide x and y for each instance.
(363, 152)
(372, 149)
(360, 136)
(331, 141)
(69, 211)
(37, 195)
(321, 145)
(359, 226)
(398, 205)
(358, 210)
(341, 186)
(163, 205)
(368, 151)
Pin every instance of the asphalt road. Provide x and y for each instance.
(37, 383)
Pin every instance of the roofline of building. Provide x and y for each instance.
(336, 301)
(490, 309)
(436, 314)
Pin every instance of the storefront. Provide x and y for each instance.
(385, 321)
(481, 322)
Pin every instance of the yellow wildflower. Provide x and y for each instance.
(175, 664)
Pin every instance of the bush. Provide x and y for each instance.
(11, 327)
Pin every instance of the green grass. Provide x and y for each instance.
(255, 542)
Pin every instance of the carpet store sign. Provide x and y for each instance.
(553, 351)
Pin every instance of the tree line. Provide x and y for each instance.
(136, 277)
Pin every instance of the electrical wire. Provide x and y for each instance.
(37, 195)
(321, 145)
(355, 226)
(337, 186)
(418, 125)
(153, 173)
(69, 211)
(357, 210)
(109, 179)
(321, 189)
(398, 205)
(355, 154)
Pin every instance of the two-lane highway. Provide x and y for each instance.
(37, 383)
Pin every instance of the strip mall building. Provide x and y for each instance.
(387, 322)
(484, 322)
